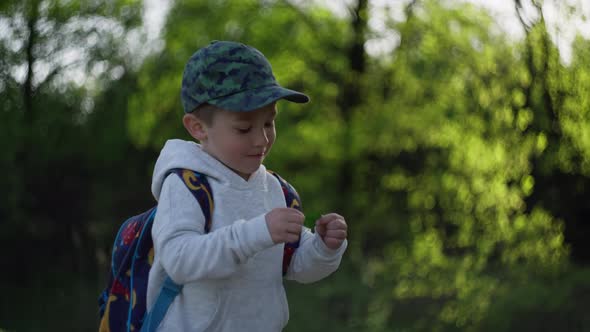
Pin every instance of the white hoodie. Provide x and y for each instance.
(232, 276)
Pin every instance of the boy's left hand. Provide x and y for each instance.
(332, 229)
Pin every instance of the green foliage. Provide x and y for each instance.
(442, 145)
(575, 115)
(51, 163)
(453, 130)
(461, 159)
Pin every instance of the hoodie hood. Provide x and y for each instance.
(190, 155)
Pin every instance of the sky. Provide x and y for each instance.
(561, 30)
(561, 25)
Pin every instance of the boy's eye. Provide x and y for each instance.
(243, 130)
(269, 124)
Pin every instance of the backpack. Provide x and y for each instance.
(122, 304)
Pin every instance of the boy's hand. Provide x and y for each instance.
(284, 224)
(332, 229)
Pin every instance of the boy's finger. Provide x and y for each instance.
(332, 216)
(296, 219)
(320, 230)
(337, 224)
(327, 218)
(294, 228)
(295, 211)
(289, 212)
(336, 233)
(291, 238)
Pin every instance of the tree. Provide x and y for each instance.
(449, 144)
(429, 150)
(459, 158)
(560, 173)
(79, 111)
(56, 57)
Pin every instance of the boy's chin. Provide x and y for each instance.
(246, 172)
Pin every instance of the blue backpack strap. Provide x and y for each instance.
(199, 186)
(293, 201)
(155, 316)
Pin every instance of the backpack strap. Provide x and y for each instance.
(167, 294)
(199, 186)
(293, 201)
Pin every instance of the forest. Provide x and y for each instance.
(459, 155)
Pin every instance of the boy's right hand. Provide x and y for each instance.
(284, 224)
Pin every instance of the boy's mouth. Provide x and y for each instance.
(257, 155)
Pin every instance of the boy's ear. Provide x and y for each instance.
(195, 127)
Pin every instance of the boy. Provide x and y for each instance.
(232, 276)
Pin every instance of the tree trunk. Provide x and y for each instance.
(350, 99)
(562, 193)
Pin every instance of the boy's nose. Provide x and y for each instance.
(261, 138)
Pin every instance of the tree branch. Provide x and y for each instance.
(28, 92)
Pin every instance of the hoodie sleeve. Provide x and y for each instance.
(313, 260)
(186, 252)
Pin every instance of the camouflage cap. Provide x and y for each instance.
(232, 76)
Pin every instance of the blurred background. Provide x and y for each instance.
(453, 135)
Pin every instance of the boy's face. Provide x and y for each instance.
(241, 140)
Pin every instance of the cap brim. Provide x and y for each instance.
(250, 100)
